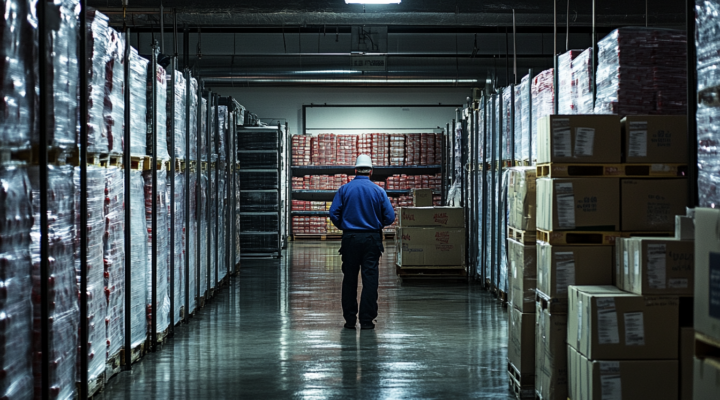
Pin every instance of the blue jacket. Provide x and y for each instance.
(361, 205)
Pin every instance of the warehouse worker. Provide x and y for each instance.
(361, 209)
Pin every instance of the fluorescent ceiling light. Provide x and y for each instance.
(372, 1)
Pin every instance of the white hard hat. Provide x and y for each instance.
(363, 161)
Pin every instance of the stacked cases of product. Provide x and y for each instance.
(581, 214)
(706, 362)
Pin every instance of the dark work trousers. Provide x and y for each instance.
(360, 253)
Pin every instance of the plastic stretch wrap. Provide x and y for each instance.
(642, 71)
(193, 128)
(526, 108)
(63, 289)
(507, 124)
(16, 318)
(114, 110)
(213, 227)
(139, 260)
(582, 81)
(480, 182)
(138, 103)
(708, 112)
(98, 35)
(203, 198)
(161, 97)
(542, 103)
(519, 155)
(566, 102)
(222, 133)
(191, 235)
(489, 233)
(96, 303)
(238, 202)
(115, 258)
(503, 217)
(212, 149)
(222, 224)
(203, 130)
(162, 306)
(179, 239)
(179, 128)
(497, 179)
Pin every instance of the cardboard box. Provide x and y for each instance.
(655, 139)
(621, 258)
(430, 246)
(521, 344)
(446, 217)
(707, 272)
(706, 378)
(522, 279)
(562, 266)
(578, 204)
(422, 197)
(579, 139)
(687, 347)
(605, 323)
(650, 205)
(684, 227)
(622, 379)
(657, 266)
(551, 374)
(522, 198)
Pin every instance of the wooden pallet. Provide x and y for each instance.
(611, 170)
(113, 365)
(553, 306)
(648, 234)
(502, 297)
(137, 353)
(31, 156)
(523, 163)
(521, 392)
(322, 237)
(578, 237)
(526, 237)
(439, 272)
(115, 161)
(162, 337)
(523, 380)
(95, 386)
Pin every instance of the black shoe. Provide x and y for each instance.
(367, 325)
(349, 325)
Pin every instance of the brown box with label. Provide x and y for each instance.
(657, 266)
(446, 217)
(650, 205)
(655, 139)
(522, 277)
(621, 379)
(559, 267)
(522, 198)
(606, 323)
(579, 139)
(521, 344)
(430, 246)
(706, 378)
(422, 197)
(578, 204)
(551, 374)
(707, 272)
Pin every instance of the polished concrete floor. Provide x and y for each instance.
(276, 333)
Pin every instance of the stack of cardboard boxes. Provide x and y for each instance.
(430, 242)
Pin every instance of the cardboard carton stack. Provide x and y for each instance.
(380, 149)
(413, 149)
(430, 240)
(326, 151)
(397, 149)
(347, 151)
(427, 149)
(522, 279)
(300, 150)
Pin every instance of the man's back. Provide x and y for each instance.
(361, 205)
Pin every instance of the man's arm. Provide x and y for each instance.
(387, 210)
(336, 209)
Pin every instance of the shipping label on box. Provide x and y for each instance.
(521, 341)
(551, 374)
(579, 139)
(448, 217)
(430, 246)
(559, 267)
(522, 198)
(655, 139)
(652, 204)
(578, 204)
(707, 272)
(606, 323)
(522, 279)
(621, 379)
(658, 266)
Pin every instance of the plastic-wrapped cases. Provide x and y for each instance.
(138, 103)
(62, 282)
(191, 235)
(543, 98)
(708, 111)
(114, 257)
(193, 128)
(139, 242)
(223, 120)
(96, 300)
(222, 224)
(566, 101)
(203, 199)
(98, 45)
(179, 239)
(528, 134)
(114, 107)
(642, 71)
(161, 114)
(162, 305)
(582, 82)
(179, 121)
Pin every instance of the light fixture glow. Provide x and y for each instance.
(372, 1)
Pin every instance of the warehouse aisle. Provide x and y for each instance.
(277, 333)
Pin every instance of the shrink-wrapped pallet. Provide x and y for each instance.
(114, 107)
(582, 82)
(203, 225)
(138, 103)
(203, 130)
(708, 111)
(222, 223)
(95, 275)
(238, 202)
(138, 259)
(528, 134)
(193, 128)
(114, 258)
(158, 116)
(162, 304)
(223, 120)
(179, 123)
(179, 240)
(542, 104)
(518, 128)
(213, 203)
(98, 36)
(191, 237)
(507, 125)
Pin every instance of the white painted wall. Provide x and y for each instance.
(286, 104)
